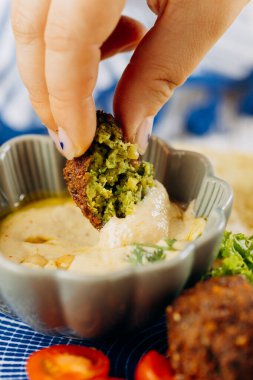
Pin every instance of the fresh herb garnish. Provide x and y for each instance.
(235, 256)
(170, 243)
(137, 254)
(158, 254)
(143, 253)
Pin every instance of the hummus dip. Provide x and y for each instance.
(53, 233)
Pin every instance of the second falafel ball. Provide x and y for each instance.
(210, 331)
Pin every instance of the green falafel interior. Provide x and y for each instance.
(114, 177)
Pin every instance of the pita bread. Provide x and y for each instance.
(237, 169)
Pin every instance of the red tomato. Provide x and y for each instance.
(64, 362)
(153, 366)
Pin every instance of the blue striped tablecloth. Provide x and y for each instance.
(18, 341)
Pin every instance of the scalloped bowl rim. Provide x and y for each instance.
(129, 271)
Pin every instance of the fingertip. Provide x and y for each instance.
(73, 143)
(76, 125)
(73, 146)
(66, 146)
(54, 137)
(143, 134)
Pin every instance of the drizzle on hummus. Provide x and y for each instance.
(52, 233)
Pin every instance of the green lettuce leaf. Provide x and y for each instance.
(235, 256)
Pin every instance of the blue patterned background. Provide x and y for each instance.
(18, 341)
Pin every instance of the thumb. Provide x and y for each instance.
(183, 33)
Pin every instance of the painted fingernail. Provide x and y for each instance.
(143, 134)
(54, 137)
(66, 145)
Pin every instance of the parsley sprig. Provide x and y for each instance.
(143, 253)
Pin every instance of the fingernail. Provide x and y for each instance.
(66, 145)
(54, 137)
(143, 134)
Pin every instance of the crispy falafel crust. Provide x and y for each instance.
(74, 175)
(210, 331)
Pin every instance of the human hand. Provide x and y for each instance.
(59, 47)
(60, 44)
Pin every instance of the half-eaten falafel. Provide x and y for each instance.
(110, 178)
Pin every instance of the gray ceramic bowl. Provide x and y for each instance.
(60, 302)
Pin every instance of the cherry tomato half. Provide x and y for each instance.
(153, 366)
(64, 362)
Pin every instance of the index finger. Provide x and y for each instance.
(75, 31)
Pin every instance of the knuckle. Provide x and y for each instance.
(60, 98)
(58, 36)
(25, 29)
(160, 92)
(163, 83)
(169, 72)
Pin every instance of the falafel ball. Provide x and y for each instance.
(210, 331)
(110, 178)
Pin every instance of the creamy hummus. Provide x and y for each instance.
(53, 233)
